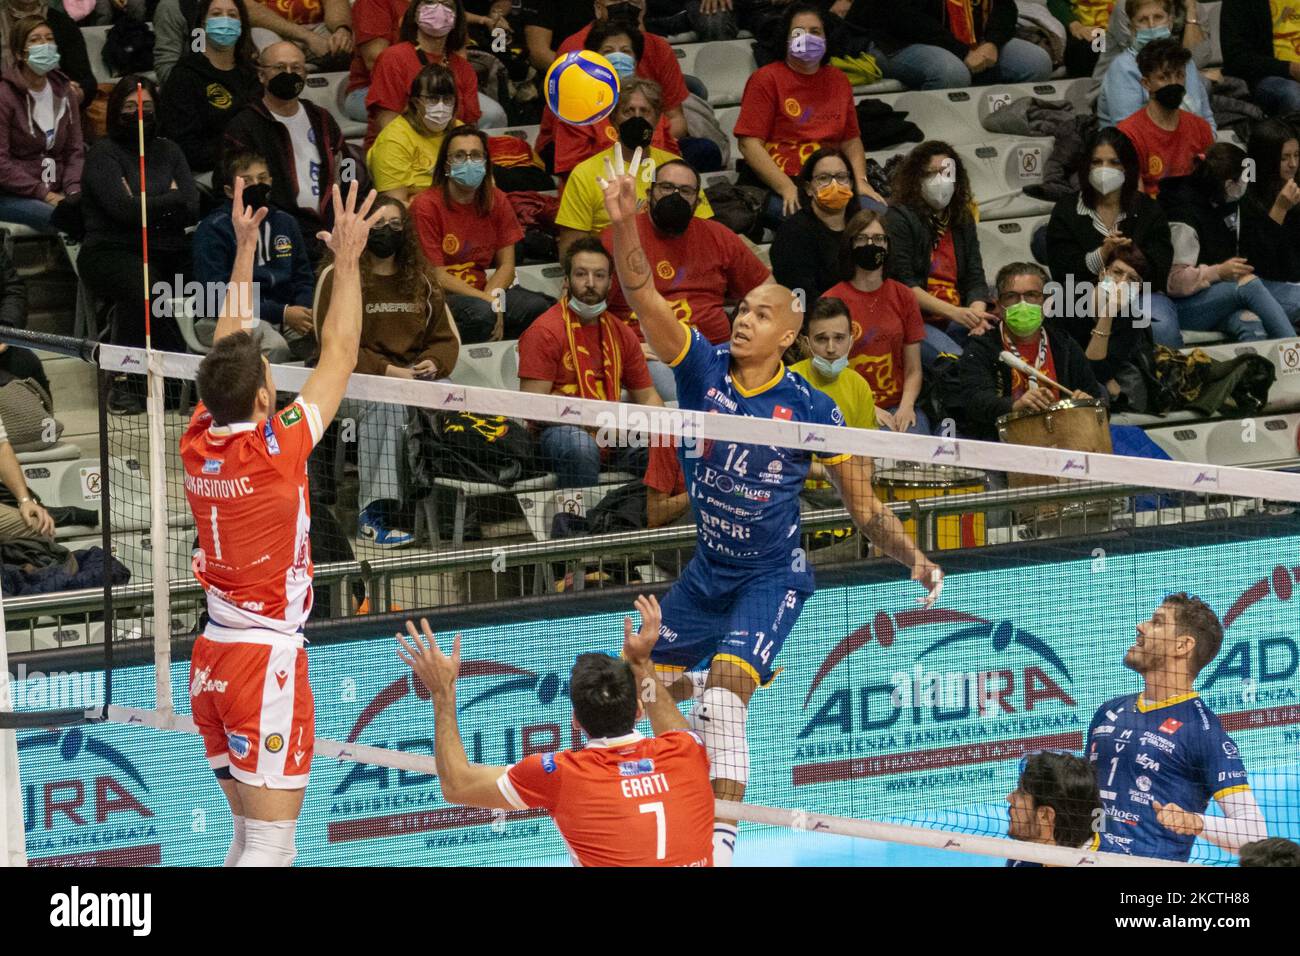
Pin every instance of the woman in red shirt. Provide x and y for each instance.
(794, 107)
(887, 326)
(432, 31)
(466, 225)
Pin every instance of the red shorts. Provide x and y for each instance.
(253, 705)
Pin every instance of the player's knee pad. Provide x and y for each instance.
(236, 842)
(269, 843)
(719, 717)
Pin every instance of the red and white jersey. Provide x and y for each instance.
(247, 486)
(625, 801)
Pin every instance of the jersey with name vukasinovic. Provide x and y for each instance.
(746, 497)
(1173, 751)
(246, 484)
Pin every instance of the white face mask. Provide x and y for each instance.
(1106, 179)
(1118, 297)
(438, 115)
(586, 310)
(937, 190)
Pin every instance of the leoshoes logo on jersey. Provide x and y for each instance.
(507, 713)
(927, 689)
(92, 807)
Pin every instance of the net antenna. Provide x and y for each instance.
(157, 457)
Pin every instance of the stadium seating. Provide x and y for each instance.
(328, 91)
(488, 365)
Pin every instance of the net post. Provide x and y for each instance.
(159, 532)
(13, 845)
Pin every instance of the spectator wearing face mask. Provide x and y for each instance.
(989, 387)
(699, 265)
(300, 141)
(207, 89)
(282, 271)
(1167, 137)
(1116, 341)
(406, 333)
(402, 160)
(73, 60)
(41, 149)
(110, 263)
(794, 107)
(887, 331)
(1122, 90)
(934, 249)
(827, 339)
(806, 250)
(466, 225)
(578, 348)
(1213, 286)
(582, 204)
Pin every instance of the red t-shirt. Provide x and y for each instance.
(658, 63)
(390, 84)
(632, 801)
(246, 485)
(795, 114)
(573, 144)
(461, 240)
(942, 281)
(696, 272)
(663, 472)
(1162, 152)
(884, 322)
(305, 12)
(372, 20)
(544, 353)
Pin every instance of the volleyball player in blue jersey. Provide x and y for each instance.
(1161, 754)
(739, 597)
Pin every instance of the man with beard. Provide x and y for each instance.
(699, 264)
(1161, 754)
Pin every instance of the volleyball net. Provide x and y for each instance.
(892, 732)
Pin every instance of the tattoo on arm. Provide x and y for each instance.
(638, 269)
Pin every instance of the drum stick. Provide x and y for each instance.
(1016, 362)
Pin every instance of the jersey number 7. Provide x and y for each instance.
(661, 828)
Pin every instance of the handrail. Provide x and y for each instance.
(619, 544)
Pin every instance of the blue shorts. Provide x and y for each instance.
(714, 612)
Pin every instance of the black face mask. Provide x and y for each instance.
(870, 258)
(634, 132)
(126, 133)
(384, 242)
(1171, 96)
(285, 86)
(257, 196)
(671, 214)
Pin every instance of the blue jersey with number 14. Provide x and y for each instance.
(746, 497)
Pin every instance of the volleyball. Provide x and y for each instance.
(581, 88)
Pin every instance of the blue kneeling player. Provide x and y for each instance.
(740, 596)
(1161, 755)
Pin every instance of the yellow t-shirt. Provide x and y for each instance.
(404, 156)
(1093, 13)
(851, 393)
(1286, 30)
(582, 205)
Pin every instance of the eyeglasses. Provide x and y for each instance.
(822, 180)
(881, 241)
(689, 193)
(464, 157)
(1011, 298)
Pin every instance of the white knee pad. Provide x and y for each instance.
(719, 718)
(269, 843)
(236, 843)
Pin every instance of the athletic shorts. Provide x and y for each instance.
(253, 705)
(718, 613)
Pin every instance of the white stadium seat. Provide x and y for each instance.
(488, 365)
(1003, 241)
(988, 100)
(724, 66)
(328, 90)
(546, 279)
(96, 38)
(1000, 170)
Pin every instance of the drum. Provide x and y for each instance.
(1076, 424)
(912, 483)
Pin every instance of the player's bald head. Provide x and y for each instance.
(782, 302)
